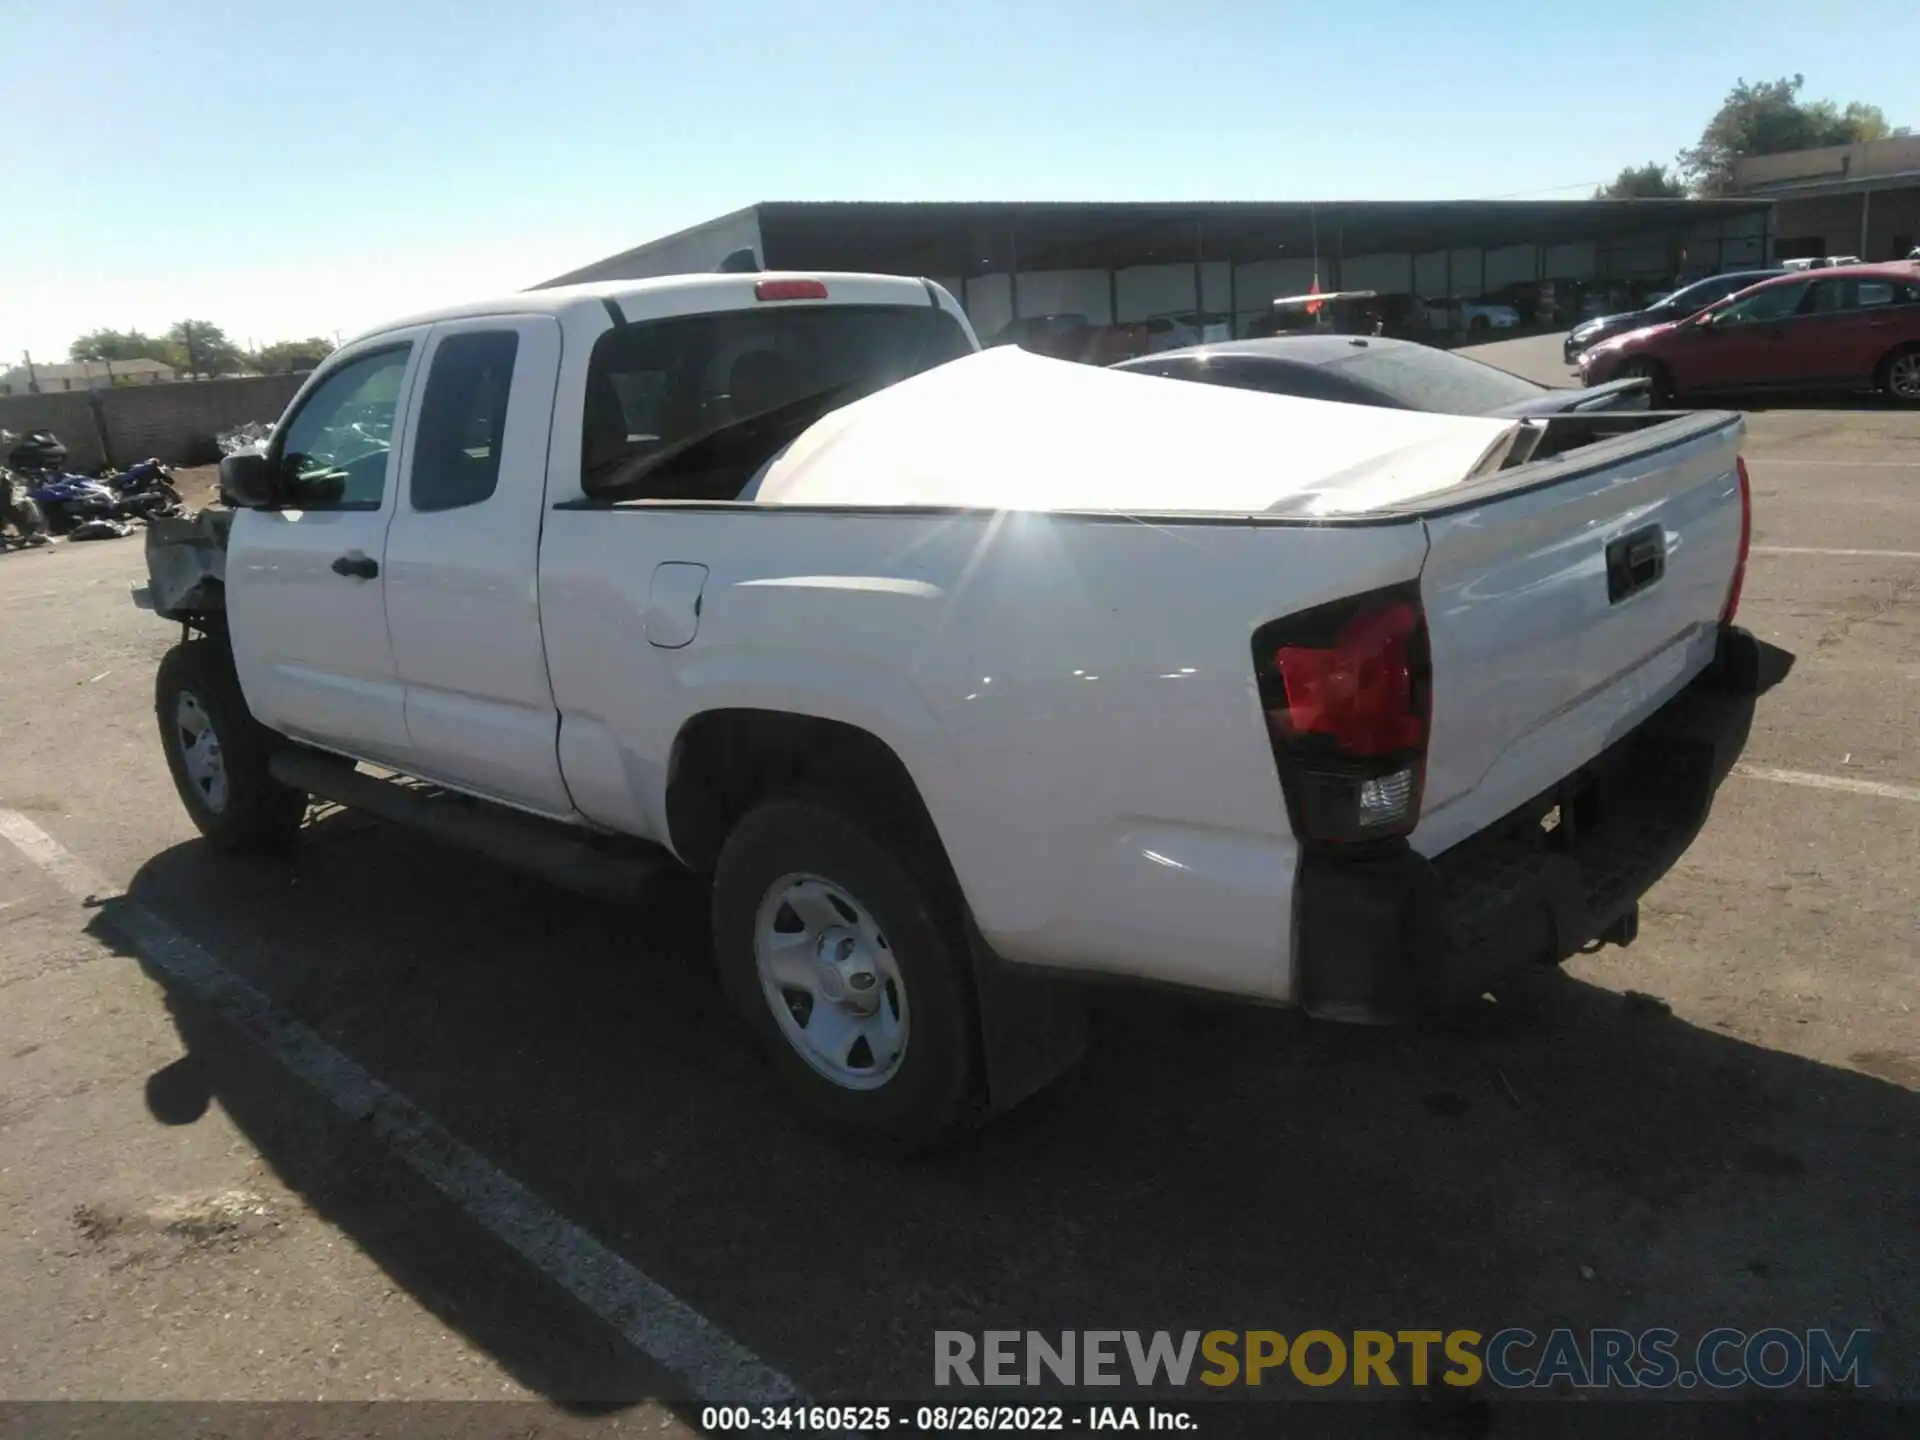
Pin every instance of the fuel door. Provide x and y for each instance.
(673, 603)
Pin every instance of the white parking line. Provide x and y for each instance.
(646, 1314)
(1881, 789)
(1820, 550)
(1913, 464)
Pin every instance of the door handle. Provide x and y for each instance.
(356, 566)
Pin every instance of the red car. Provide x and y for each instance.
(1854, 327)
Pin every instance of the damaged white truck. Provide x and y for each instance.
(964, 676)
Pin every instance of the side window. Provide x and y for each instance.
(1873, 294)
(456, 447)
(334, 450)
(1826, 297)
(1776, 302)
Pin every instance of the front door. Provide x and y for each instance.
(306, 593)
(1817, 336)
(461, 558)
(1744, 345)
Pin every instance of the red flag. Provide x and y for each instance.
(1313, 306)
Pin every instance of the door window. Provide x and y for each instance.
(456, 447)
(1776, 302)
(1879, 294)
(1826, 297)
(334, 450)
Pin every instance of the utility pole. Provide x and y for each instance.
(33, 380)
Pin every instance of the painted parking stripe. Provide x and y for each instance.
(1821, 550)
(1913, 464)
(1881, 789)
(646, 1314)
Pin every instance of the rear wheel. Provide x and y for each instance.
(218, 752)
(849, 964)
(1900, 375)
(1659, 382)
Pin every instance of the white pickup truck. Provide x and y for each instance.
(966, 687)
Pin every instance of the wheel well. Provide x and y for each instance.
(726, 761)
(1886, 360)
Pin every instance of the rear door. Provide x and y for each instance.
(1879, 314)
(1541, 656)
(461, 557)
(306, 592)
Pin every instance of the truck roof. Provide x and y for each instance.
(594, 294)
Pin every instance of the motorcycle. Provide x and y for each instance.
(143, 491)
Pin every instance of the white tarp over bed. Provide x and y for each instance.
(1008, 430)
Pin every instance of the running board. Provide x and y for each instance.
(623, 870)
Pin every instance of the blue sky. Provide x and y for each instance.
(288, 168)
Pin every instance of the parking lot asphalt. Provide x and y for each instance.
(1713, 1127)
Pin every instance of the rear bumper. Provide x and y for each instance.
(1391, 936)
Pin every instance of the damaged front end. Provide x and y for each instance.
(187, 570)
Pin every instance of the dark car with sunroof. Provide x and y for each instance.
(1688, 300)
(1373, 370)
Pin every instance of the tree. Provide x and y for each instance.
(284, 356)
(204, 349)
(1650, 181)
(120, 345)
(1769, 118)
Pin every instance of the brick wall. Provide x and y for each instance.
(175, 422)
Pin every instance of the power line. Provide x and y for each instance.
(1548, 190)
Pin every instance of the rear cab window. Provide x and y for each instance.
(692, 407)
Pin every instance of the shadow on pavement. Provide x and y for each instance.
(1569, 1155)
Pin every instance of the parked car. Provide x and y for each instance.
(1074, 337)
(1469, 316)
(1688, 300)
(1062, 336)
(1819, 262)
(1373, 370)
(1848, 329)
(1288, 730)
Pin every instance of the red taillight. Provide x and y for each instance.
(1346, 689)
(1360, 689)
(1746, 543)
(790, 290)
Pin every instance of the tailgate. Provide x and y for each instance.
(1566, 607)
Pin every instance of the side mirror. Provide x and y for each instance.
(250, 481)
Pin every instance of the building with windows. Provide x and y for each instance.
(83, 375)
(1859, 199)
(1225, 263)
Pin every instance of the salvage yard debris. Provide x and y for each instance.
(251, 436)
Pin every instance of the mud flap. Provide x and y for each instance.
(1033, 1027)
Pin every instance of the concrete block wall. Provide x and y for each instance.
(176, 422)
(66, 414)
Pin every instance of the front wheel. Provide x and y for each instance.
(1659, 383)
(1900, 376)
(218, 752)
(850, 967)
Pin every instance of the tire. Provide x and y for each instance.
(865, 923)
(1900, 375)
(227, 789)
(1659, 382)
